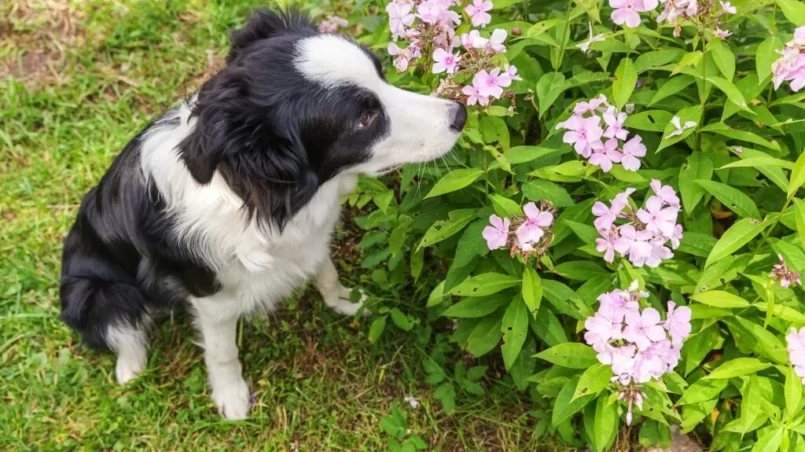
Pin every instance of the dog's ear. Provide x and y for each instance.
(265, 24)
(216, 111)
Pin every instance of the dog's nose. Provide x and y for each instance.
(459, 113)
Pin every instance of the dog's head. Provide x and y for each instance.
(294, 108)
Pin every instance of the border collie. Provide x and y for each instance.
(227, 203)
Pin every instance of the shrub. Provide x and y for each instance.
(642, 154)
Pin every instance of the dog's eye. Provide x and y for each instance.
(366, 118)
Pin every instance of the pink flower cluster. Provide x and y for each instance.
(791, 65)
(784, 275)
(531, 235)
(586, 134)
(333, 24)
(643, 238)
(639, 346)
(627, 12)
(466, 60)
(796, 351)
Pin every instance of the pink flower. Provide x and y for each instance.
(332, 24)
(665, 192)
(606, 216)
(615, 124)
(643, 329)
(400, 16)
(632, 151)
(784, 275)
(659, 252)
(584, 134)
(607, 156)
(678, 322)
(626, 12)
(723, 34)
(496, 41)
(635, 243)
(435, 12)
(511, 71)
(677, 237)
(474, 96)
(473, 40)
(604, 326)
(402, 57)
(658, 219)
(531, 231)
(487, 84)
(729, 9)
(478, 12)
(445, 62)
(496, 235)
(606, 245)
(796, 351)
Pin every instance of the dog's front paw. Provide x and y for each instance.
(128, 368)
(232, 399)
(339, 301)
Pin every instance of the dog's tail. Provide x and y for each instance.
(96, 297)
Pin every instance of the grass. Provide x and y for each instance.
(77, 80)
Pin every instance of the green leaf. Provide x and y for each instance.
(401, 320)
(625, 80)
(565, 406)
(797, 175)
(752, 404)
(697, 244)
(485, 336)
(781, 311)
(606, 423)
(793, 255)
(476, 307)
(737, 134)
(494, 129)
(732, 198)
(532, 290)
(515, 329)
(762, 342)
(591, 7)
(738, 367)
(770, 442)
(446, 394)
(436, 296)
(443, 229)
(693, 113)
(485, 284)
(580, 270)
(524, 154)
(732, 92)
(765, 56)
(724, 58)
(720, 299)
(671, 87)
(793, 392)
(593, 380)
(738, 235)
(565, 300)
(378, 325)
(794, 11)
(571, 354)
(776, 175)
(585, 232)
(539, 189)
(549, 87)
(455, 180)
(702, 391)
(651, 120)
(758, 162)
(471, 243)
(799, 216)
(689, 59)
(656, 58)
(699, 167)
(505, 207)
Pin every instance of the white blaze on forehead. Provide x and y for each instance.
(332, 61)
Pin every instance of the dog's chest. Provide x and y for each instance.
(267, 268)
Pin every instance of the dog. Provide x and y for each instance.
(226, 204)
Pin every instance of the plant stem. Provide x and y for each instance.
(703, 94)
(564, 37)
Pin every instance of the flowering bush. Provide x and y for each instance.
(624, 161)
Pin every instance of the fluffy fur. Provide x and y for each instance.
(227, 203)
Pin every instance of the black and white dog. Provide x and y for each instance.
(227, 203)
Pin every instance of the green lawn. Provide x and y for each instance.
(77, 80)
